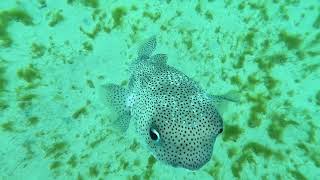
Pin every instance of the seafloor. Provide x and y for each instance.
(54, 54)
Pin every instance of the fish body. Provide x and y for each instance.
(174, 117)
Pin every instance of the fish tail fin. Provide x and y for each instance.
(115, 97)
(160, 59)
(147, 47)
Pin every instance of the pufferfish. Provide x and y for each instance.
(176, 119)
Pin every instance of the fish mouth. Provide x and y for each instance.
(191, 166)
(196, 166)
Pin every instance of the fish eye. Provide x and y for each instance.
(154, 135)
(220, 130)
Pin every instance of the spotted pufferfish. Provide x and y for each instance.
(176, 119)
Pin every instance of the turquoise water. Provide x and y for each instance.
(54, 55)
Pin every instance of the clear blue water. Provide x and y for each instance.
(54, 56)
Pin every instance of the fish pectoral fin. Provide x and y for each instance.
(222, 101)
(115, 97)
(159, 59)
(231, 96)
(147, 48)
(122, 121)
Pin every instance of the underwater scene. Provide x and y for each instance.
(161, 89)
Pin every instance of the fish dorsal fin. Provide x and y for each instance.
(147, 48)
(159, 59)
